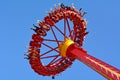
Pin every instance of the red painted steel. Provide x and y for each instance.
(76, 33)
(99, 66)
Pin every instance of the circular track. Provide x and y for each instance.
(76, 32)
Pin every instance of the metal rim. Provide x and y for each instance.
(77, 33)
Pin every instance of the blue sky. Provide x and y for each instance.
(17, 17)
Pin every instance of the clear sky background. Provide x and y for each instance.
(17, 17)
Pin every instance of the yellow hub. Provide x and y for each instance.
(64, 46)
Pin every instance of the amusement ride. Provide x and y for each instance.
(54, 47)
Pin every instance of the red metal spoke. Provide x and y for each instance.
(60, 59)
(68, 26)
(60, 31)
(54, 35)
(49, 56)
(48, 51)
(52, 40)
(50, 47)
(74, 37)
(64, 28)
(53, 60)
(71, 34)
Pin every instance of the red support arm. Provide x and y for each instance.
(106, 70)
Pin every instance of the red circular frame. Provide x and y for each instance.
(77, 34)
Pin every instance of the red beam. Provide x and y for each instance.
(99, 66)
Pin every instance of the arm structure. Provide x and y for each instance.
(106, 70)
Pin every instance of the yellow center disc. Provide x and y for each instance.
(64, 46)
